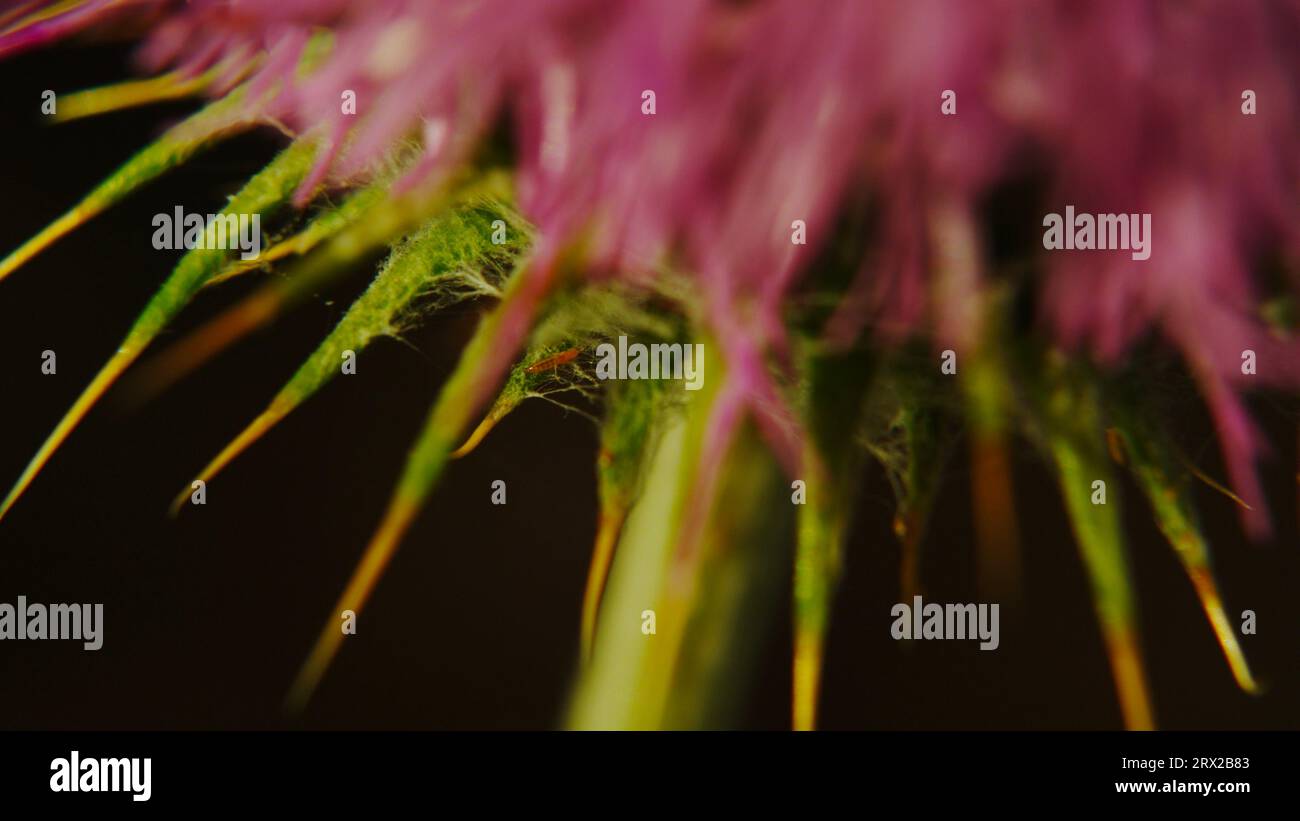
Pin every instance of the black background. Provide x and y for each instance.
(334, 770)
(475, 624)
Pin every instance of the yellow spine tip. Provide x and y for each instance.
(259, 426)
(382, 545)
(479, 434)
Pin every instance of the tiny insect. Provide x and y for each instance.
(553, 362)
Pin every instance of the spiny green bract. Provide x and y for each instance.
(449, 259)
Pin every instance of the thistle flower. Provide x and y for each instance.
(661, 157)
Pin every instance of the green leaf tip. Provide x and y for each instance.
(267, 190)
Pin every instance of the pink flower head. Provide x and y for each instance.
(771, 112)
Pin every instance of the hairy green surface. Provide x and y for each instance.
(266, 192)
(449, 259)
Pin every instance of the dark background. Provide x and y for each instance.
(475, 625)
